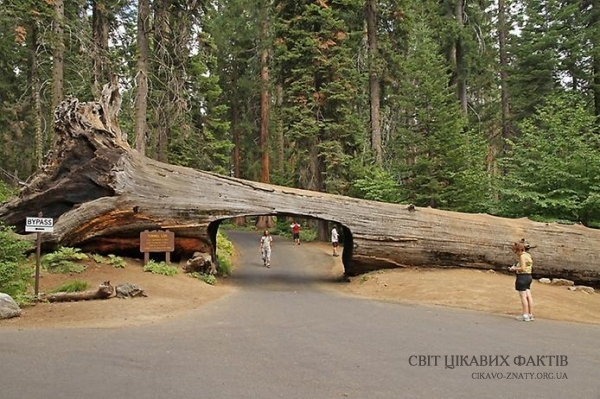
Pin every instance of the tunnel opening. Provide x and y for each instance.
(321, 228)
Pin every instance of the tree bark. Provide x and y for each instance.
(595, 29)
(102, 195)
(58, 57)
(100, 43)
(503, 57)
(461, 78)
(141, 78)
(36, 97)
(265, 175)
(374, 88)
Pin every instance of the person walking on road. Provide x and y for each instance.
(266, 244)
(523, 281)
(296, 232)
(335, 240)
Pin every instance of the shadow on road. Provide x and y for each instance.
(255, 277)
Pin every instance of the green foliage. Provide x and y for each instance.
(64, 261)
(160, 268)
(14, 278)
(205, 87)
(6, 192)
(207, 278)
(14, 272)
(72, 286)
(308, 235)
(225, 251)
(282, 228)
(316, 59)
(553, 169)
(437, 160)
(115, 261)
(377, 185)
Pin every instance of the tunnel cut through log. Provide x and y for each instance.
(102, 194)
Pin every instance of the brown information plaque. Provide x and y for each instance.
(157, 241)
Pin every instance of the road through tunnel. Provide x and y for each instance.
(322, 229)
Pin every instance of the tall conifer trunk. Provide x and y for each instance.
(265, 177)
(264, 110)
(161, 30)
(100, 45)
(595, 29)
(57, 59)
(35, 97)
(141, 78)
(502, 34)
(374, 89)
(461, 71)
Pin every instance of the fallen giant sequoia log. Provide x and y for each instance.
(102, 194)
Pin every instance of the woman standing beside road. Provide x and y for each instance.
(523, 268)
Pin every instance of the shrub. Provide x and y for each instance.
(7, 192)
(62, 261)
(225, 252)
(15, 273)
(308, 235)
(160, 268)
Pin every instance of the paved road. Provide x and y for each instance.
(282, 336)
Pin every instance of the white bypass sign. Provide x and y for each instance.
(39, 225)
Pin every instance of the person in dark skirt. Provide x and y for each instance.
(523, 269)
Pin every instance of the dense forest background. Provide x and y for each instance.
(465, 105)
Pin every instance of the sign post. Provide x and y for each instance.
(38, 225)
(157, 241)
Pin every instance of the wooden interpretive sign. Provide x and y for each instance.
(157, 241)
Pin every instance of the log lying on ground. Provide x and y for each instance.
(104, 291)
(102, 194)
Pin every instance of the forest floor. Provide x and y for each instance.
(170, 297)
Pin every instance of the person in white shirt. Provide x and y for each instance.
(335, 240)
(266, 244)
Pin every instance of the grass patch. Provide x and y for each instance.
(71, 286)
(207, 278)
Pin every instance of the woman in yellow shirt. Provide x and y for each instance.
(523, 281)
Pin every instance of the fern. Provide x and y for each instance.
(62, 261)
(160, 268)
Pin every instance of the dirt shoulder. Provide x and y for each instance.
(170, 297)
(476, 290)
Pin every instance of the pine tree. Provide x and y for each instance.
(439, 161)
(316, 54)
